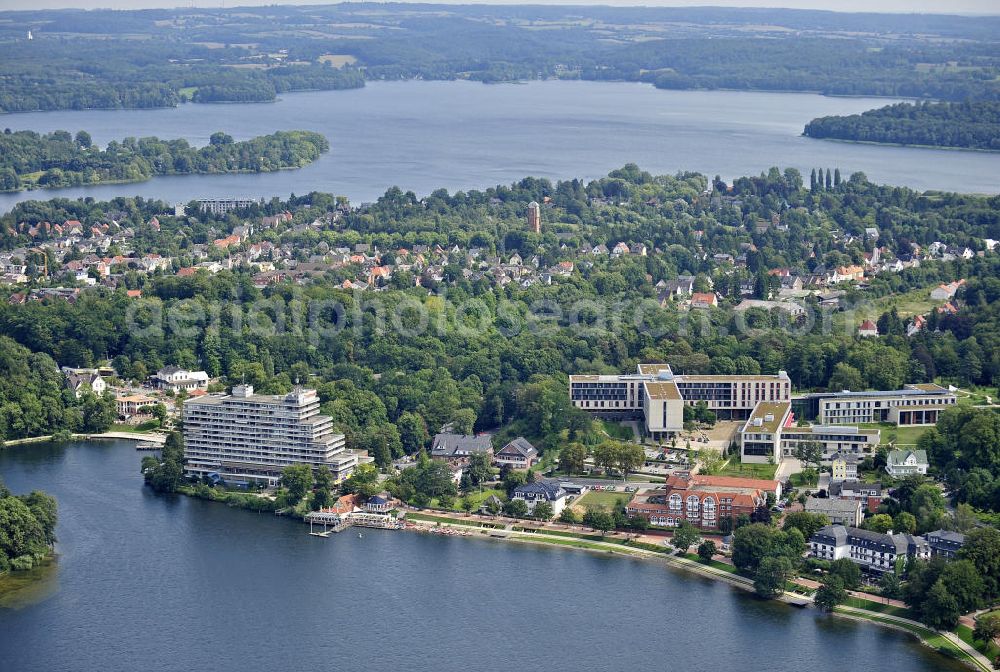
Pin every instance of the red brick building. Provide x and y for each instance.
(701, 500)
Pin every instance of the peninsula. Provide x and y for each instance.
(29, 160)
(968, 125)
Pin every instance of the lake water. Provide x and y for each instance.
(463, 135)
(152, 583)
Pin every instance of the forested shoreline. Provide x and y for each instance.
(967, 125)
(27, 528)
(29, 160)
(79, 60)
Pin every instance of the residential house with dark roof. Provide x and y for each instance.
(838, 511)
(945, 543)
(541, 491)
(491, 505)
(458, 447)
(518, 454)
(869, 494)
(84, 380)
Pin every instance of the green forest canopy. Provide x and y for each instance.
(967, 125)
(59, 159)
(27, 528)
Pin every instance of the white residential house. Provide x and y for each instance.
(82, 380)
(945, 292)
(905, 462)
(542, 491)
(868, 329)
(175, 378)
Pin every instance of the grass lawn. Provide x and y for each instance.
(970, 395)
(441, 519)
(735, 468)
(605, 499)
(915, 302)
(879, 607)
(578, 535)
(713, 563)
(903, 436)
(476, 497)
(804, 479)
(144, 427)
(617, 431)
(990, 650)
(338, 60)
(578, 543)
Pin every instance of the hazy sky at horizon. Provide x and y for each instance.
(907, 6)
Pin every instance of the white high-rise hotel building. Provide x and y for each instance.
(251, 437)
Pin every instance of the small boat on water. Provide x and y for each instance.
(148, 445)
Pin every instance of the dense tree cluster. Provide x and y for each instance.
(27, 528)
(59, 159)
(116, 74)
(164, 474)
(35, 401)
(965, 447)
(968, 125)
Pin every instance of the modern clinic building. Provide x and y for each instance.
(657, 395)
(247, 437)
(913, 405)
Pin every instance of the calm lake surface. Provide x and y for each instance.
(152, 583)
(463, 135)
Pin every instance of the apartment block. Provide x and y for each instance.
(247, 437)
(658, 395)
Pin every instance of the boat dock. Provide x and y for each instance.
(332, 521)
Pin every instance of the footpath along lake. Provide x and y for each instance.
(145, 582)
(421, 136)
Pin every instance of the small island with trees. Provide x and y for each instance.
(29, 160)
(968, 125)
